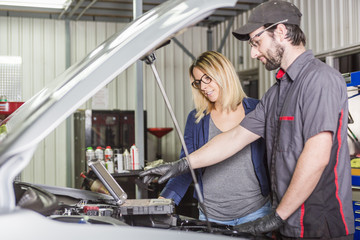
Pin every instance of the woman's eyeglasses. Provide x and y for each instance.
(197, 83)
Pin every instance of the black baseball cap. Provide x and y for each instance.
(269, 12)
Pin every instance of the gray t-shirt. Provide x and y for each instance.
(231, 189)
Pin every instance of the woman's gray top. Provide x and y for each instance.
(231, 189)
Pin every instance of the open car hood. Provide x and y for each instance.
(40, 115)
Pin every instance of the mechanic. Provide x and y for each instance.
(303, 118)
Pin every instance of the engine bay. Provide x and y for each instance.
(80, 206)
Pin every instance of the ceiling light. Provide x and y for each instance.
(38, 3)
(10, 60)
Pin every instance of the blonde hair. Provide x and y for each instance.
(220, 70)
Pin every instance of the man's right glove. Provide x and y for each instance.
(165, 171)
(266, 224)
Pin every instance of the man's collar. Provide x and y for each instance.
(280, 73)
(295, 68)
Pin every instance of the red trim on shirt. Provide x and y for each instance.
(286, 118)
(336, 175)
(280, 73)
(302, 220)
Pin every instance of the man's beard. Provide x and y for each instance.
(273, 59)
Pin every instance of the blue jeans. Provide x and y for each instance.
(264, 210)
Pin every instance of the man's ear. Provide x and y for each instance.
(281, 31)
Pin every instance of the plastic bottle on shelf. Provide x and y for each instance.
(110, 166)
(99, 155)
(108, 153)
(109, 163)
(118, 161)
(135, 162)
(127, 160)
(90, 154)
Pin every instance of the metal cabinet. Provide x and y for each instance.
(93, 128)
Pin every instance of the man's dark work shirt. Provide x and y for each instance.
(310, 98)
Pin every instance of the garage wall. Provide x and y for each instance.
(42, 45)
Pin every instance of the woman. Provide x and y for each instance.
(236, 190)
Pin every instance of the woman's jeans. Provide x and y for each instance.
(264, 210)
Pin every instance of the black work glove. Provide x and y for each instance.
(266, 224)
(165, 171)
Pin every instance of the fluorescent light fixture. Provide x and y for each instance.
(59, 4)
(10, 60)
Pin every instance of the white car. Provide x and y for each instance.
(34, 212)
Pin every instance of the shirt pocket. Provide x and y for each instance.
(285, 133)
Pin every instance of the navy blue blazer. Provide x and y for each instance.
(196, 135)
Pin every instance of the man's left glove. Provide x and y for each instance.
(165, 171)
(266, 224)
